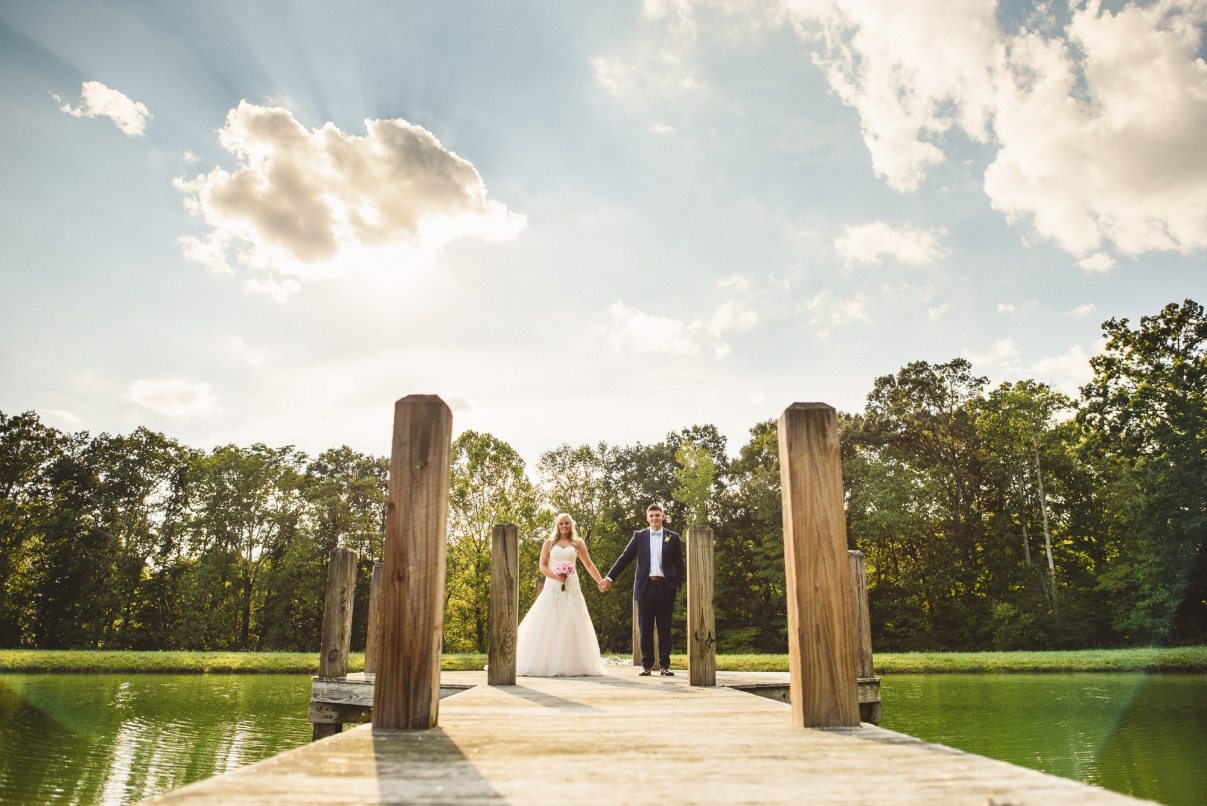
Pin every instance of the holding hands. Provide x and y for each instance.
(605, 585)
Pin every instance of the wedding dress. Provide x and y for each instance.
(557, 638)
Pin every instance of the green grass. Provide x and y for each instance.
(1180, 659)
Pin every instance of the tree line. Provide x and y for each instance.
(992, 517)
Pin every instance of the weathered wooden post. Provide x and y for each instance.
(637, 641)
(870, 710)
(504, 616)
(821, 638)
(337, 625)
(701, 610)
(406, 692)
(373, 628)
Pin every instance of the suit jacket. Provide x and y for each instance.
(673, 567)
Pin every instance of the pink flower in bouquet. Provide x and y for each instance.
(564, 568)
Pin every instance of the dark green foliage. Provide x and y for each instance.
(998, 518)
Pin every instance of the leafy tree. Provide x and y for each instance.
(1146, 409)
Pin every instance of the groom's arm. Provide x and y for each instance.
(622, 562)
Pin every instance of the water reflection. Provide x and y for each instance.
(117, 739)
(1132, 733)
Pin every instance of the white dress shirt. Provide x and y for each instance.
(656, 553)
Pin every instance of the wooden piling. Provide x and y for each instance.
(406, 694)
(336, 637)
(822, 658)
(504, 616)
(870, 710)
(373, 628)
(701, 609)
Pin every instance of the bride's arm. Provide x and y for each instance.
(585, 556)
(544, 565)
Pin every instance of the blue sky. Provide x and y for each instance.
(239, 222)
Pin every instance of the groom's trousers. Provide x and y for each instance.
(654, 611)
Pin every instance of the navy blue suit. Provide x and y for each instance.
(655, 599)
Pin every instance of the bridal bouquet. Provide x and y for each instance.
(564, 568)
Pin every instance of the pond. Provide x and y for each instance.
(119, 738)
(1143, 735)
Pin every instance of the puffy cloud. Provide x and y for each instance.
(736, 282)
(632, 330)
(1119, 156)
(303, 203)
(1067, 372)
(174, 397)
(912, 69)
(98, 100)
(1082, 310)
(938, 310)
(1097, 263)
(1097, 124)
(1003, 356)
(827, 312)
(662, 128)
(868, 243)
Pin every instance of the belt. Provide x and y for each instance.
(656, 579)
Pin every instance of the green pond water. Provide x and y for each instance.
(68, 738)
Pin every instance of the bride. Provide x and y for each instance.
(556, 638)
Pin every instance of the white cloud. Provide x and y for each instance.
(190, 157)
(1097, 125)
(1003, 356)
(662, 128)
(912, 69)
(938, 310)
(827, 312)
(868, 243)
(244, 352)
(97, 100)
(1006, 308)
(1067, 372)
(173, 397)
(612, 74)
(1082, 310)
(61, 419)
(1097, 263)
(734, 281)
(1119, 157)
(632, 330)
(307, 203)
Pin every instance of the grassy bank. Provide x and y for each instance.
(1181, 659)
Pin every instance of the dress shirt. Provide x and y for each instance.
(656, 553)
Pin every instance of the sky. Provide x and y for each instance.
(239, 222)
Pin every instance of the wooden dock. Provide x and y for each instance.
(622, 739)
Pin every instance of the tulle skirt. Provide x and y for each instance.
(557, 638)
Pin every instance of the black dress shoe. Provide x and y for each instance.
(667, 673)
(644, 673)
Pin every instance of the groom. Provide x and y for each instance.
(660, 572)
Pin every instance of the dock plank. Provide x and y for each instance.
(621, 739)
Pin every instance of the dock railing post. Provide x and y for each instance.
(406, 691)
(503, 619)
(870, 710)
(821, 638)
(373, 628)
(701, 609)
(337, 624)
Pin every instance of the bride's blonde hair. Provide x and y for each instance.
(554, 536)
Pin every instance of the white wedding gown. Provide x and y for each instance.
(557, 638)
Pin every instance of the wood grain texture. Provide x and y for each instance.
(337, 613)
(373, 628)
(860, 612)
(407, 694)
(821, 637)
(701, 608)
(504, 617)
(509, 744)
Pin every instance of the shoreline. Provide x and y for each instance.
(1140, 659)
